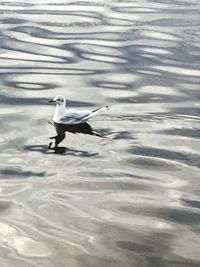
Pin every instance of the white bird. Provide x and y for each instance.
(71, 116)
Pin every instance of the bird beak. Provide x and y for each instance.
(51, 101)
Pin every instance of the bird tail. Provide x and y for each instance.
(95, 112)
(97, 134)
(51, 122)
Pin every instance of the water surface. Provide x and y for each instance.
(131, 198)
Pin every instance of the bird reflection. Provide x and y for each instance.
(60, 150)
(61, 129)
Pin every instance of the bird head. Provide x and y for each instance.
(59, 100)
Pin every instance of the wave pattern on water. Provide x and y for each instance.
(132, 198)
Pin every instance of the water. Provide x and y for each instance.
(132, 198)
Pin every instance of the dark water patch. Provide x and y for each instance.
(60, 150)
(177, 263)
(189, 159)
(17, 4)
(124, 135)
(128, 9)
(192, 203)
(31, 51)
(111, 186)
(73, 152)
(97, 261)
(182, 216)
(176, 61)
(95, 52)
(12, 21)
(37, 148)
(11, 100)
(37, 31)
(29, 85)
(54, 71)
(11, 172)
(195, 95)
(176, 2)
(135, 247)
(151, 98)
(151, 163)
(112, 85)
(188, 111)
(190, 133)
(94, 36)
(177, 22)
(195, 33)
(111, 204)
(87, 3)
(5, 206)
(5, 99)
(117, 174)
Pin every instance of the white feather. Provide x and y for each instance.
(72, 116)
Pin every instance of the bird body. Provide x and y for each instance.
(71, 116)
(71, 120)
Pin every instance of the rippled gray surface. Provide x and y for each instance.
(132, 198)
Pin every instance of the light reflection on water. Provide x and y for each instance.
(132, 198)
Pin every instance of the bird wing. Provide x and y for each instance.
(73, 116)
(94, 113)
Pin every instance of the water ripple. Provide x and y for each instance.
(131, 198)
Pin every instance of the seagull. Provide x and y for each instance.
(71, 120)
(71, 116)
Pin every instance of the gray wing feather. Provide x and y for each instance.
(74, 117)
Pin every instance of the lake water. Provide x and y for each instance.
(130, 199)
